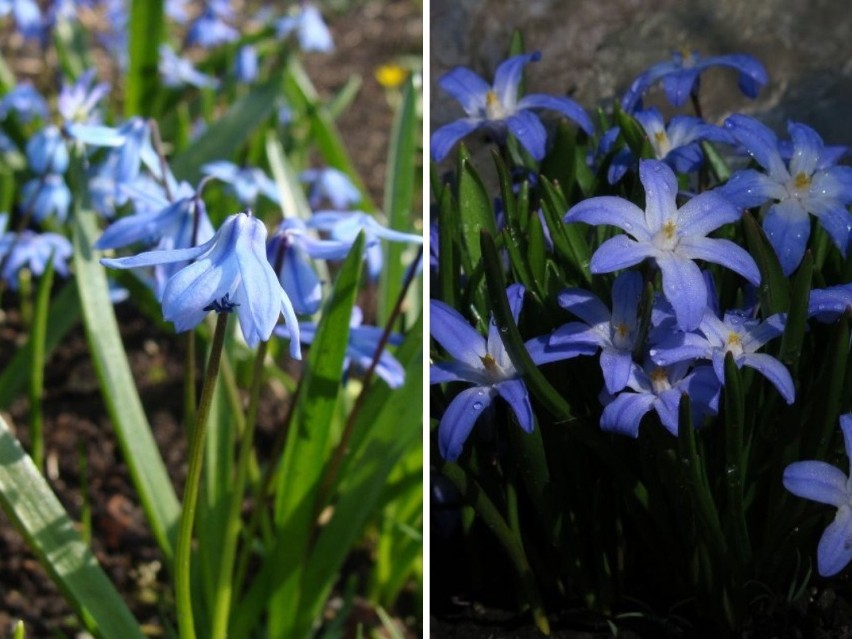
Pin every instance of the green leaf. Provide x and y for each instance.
(142, 77)
(399, 195)
(797, 317)
(229, 132)
(38, 515)
(475, 209)
(117, 384)
(633, 134)
(449, 254)
(735, 463)
(39, 337)
(308, 445)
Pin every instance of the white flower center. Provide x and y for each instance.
(799, 185)
(494, 109)
(661, 143)
(493, 369)
(734, 344)
(666, 238)
(660, 380)
(621, 337)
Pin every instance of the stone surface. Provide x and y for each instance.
(592, 49)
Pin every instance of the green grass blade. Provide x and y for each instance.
(63, 315)
(399, 196)
(39, 336)
(37, 514)
(475, 208)
(118, 387)
(142, 78)
(229, 132)
(309, 442)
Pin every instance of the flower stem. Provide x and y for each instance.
(224, 588)
(183, 552)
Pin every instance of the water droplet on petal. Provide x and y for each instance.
(477, 405)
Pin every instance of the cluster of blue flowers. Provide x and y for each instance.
(654, 348)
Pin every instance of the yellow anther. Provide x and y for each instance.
(670, 230)
(490, 363)
(802, 181)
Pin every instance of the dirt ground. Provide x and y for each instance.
(367, 35)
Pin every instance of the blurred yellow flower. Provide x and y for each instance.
(391, 76)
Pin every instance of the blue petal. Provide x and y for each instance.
(788, 227)
(507, 77)
(95, 134)
(705, 213)
(760, 143)
(626, 295)
(300, 281)
(529, 131)
(722, 252)
(624, 414)
(773, 370)
(617, 253)
(835, 182)
(585, 305)
(660, 192)
(543, 352)
(835, 546)
(615, 211)
(453, 371)
(846, 427)
(578, 336)
(748, 188)
(516, 395)
(494, 344)
(817, 481)
(565, 106)
(455, 335)
(680, 347)
(467, 88)
(616, 366)
(684, 288)
(194, 287)
(834, 218)
(445, 138)
(459, 418)
(807, 149)
(678, 86)
(752, 74)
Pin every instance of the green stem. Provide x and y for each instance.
(224, 589)
(190, 399)
(489, 514)
(183, 551)
(39, 338)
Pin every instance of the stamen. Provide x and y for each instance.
(225, 305)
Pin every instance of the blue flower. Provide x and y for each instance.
(498, 108)
(210, 30)
(330, 184)
(78, 102)
(734, 334)
(229, 272)
(809, 184)
(25, 101)
(46, 151)
(245, 64)
(344, 226)
(827, 484)
(32, 250)
(672, 237)
(45, 196)
(27, 16)
(677, 144)
(246, 183)
(177, 71)
(311, 30)
(361, 348)
(486, 364)
(680, 76)
(660, 388)
(614, 333)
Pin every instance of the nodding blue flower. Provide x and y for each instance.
(361, 348)
(498, 108)
(245, 64)
(614, 333)
(735, 334)
(680, 76)
(827, 484)
(245, 183)
(311, 30)
(177, 71)
(677, 144)
(660, 388)
(290, 251)
(210, 30)
(345, 225)
(32, 250)
(673, 237)
(46, 196)
(483, 363)
(809, 184)
(27, 16)
(229, 270)
(47, 152)
(330, 184)
(828, 304)
(25, 101)
(78, 102)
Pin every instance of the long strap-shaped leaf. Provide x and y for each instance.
(119, 389)
(37, 514)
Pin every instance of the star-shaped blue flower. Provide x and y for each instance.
(229, 272)
(673, 237)
(809, 184)
(827, 484)
(499, 108)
